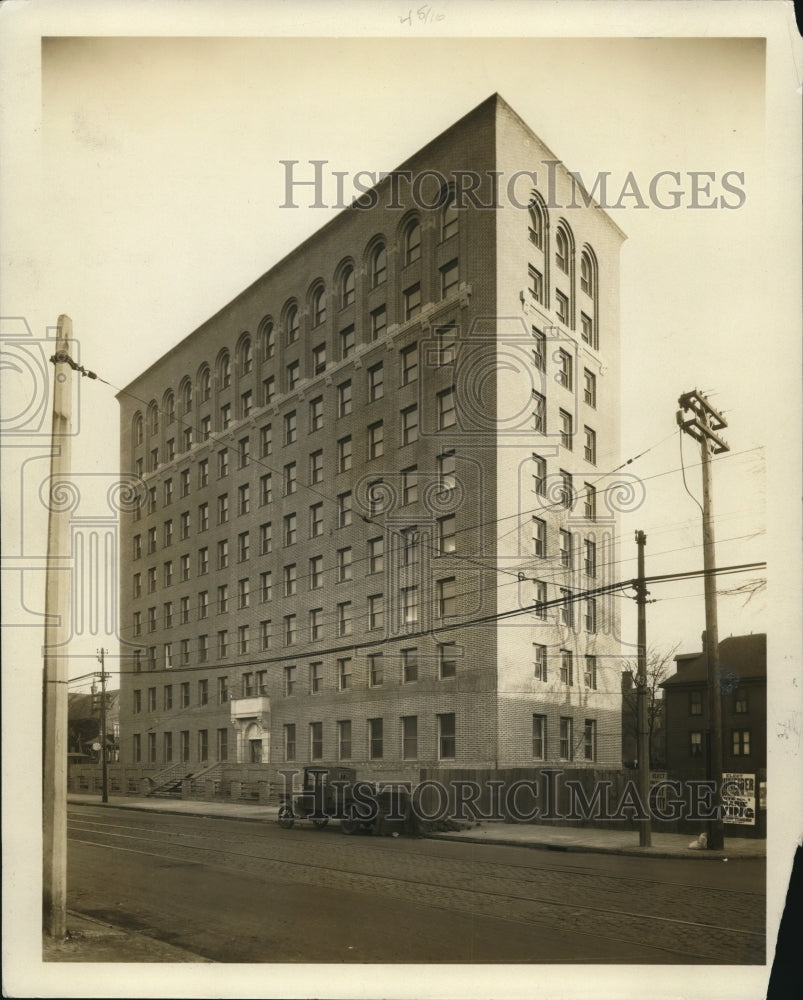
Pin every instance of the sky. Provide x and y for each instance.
(142, 190)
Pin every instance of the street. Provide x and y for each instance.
(239, 891)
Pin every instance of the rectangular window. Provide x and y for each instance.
(539, 350)
(222, 644)
(316, 467)
(695, 703)
(375, 739)
(223, 463)
(185, 482)
(566, 667)
(316, 414)
(409, 737)
(289, 681)
(539, 662)
(203, 561)
(376, 384)
(168, 492)
(347, 342)
(566, 429)
(244, 451)
(343, 565)
(409, 364)
(590, 674)
(379, 322)
(137, 706)
(447, 660)
(203, 692)
(268, 390)
(588, 330)
(266, 489)
(185, 694)
(566, 744)
(344, 618)
(590, 447)
(446, 350)
(376, 675)
(185, 745)
(290, 580)
(266, 440)
(315, 677)
(447, 413)
(203, 648)
(344, 740)
(316, 740)
(316, 624)
(695, 744)
(290, 530)
(447, 534)
(152, 699)
(539, 737)
(243, 639)
(565, 541)
(290, 479)
(344, 509)
(316, 520)
(203, 517)
(168, 697)
(376, 611)
(185, 525)
(222, 690)
(590, 557)
(248, 685)
(566, 615)
(167, 614)
(376, 555)
(222, 744)
(412, 301)
(564, 374)
(319, 359)
(591, 615)
(344, 454)
(447, 597)
(243, 499)
(344, 673)
(290, 741)
(203, 745)
(266, 634)
(223, 553)
(539, 537)
(539, 599)
(539, 475)
(539, 412)
(536, 284)
(265, 585)
(446, 736)
(409, 665)
(590, 503)
(316, 572)
(184, 567)
(449, 278)
(409, 425)
(740, 703)
(290, 427)
(562, 307)
(590, 739)
(589, 387)
(410, 605)
(740, 742)
(376, 440)
(344, 399)
(409, 485)
(243, 546)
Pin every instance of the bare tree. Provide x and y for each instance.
(660, 664)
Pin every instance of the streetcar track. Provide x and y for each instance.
(307, 865)
(637, 881)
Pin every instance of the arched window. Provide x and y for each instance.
(139, 428)
(224, 370)
(562, 250)
(347, 287)
(246, 356)
(169, 407)
(412, 242)
(318, 306)
(153, 417)
(587, 275)
(379, 265)
(291, 324)
(450, 220)
(537, 225)
(267, 339)
(204, 383)
(185, 395)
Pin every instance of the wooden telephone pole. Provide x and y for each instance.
(702, 425)
(57, 635)
(645, 827)
(104, 769)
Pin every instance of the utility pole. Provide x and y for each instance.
(702, 425)
(645, 827)
(103, 766)
(57, 634)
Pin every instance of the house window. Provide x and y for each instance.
(265, 586)
(412, 301)
(447, 534)
(409, 485)
(185, 525)
(378, 265)
(566, 429)
(203, 472)
(376, 386)
(137, 706)
(539, 661)
(410, 605)
(590, 448)
(266, 440)
(562, 307)
(222, 690)
(409, 665)
(290, 741)
(290, 580)
(375, 669)
(566, 608)
(565, 540)
(539, 599)
(695, 744)
(539, 737)
(246, 403)
(344, 510)
(449, 278)
(740, 742)
(447, 656)
(446, 470)
(203, 561)
(316, 624)
(409, 425)
(446, 736)
(347, 342)
(412, 243)
(344, 454)
(344, 399)
(564, 374)
(266, 634)
(315, 677)
(446, 350)
(291, 325)
(268, 390)
(248, 685)
(243, 639)
(152, 699)
(316, 414)
(289, 480)
(566, 667)
(539, 413)
(539, 475)
(316, 740)
(695, 703)
(290, 427)
(591, 615)
(290, 530)
(167, 614)
(185, 745)
(590, 557)
(347, 287)
(447, 597)
(740, 703)
(376, 611)
(590, 739)
(409, 364)
(376, 440)
(375, 739)
(244, 499)
(186, 439)
(590, 674)
(318, 307)
(225, 416)
(539, 537)
(566, 743)
(222, 744)
(289, 681)
(203, 648)
(316, 573)
(409, 737)
(589, 387)
(344, 673)
(536, 284)
(222, 644)
(223, 508)
(203, 692)
(223, 553)
(447, 415)
(266, 489)
(289, 630)
(344, 740)
(344, 618)
(343, 565)
(316, 520)
(590, 503)
(588, 330)
(203, 745)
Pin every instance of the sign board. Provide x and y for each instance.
(659, 800)
(739, 799)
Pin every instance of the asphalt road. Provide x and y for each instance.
(234, 891)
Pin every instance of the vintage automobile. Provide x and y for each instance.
(335, 793)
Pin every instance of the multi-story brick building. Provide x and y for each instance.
(374, 486)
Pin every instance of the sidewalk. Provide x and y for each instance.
(595, 841)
